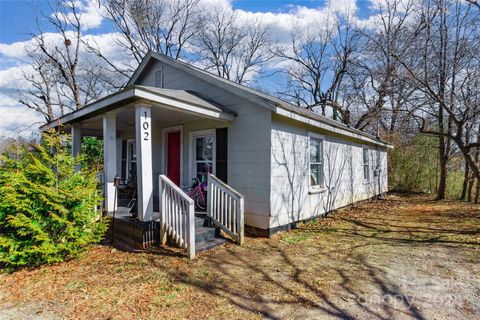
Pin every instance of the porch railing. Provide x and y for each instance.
(225, 208)
(177, 216)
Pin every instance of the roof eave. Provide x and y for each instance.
(328, 127)
(131, 93)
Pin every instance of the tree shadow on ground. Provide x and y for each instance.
(285, 288)
(343, 271)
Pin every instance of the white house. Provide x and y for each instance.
(275, 164)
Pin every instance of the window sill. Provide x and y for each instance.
(316, 190)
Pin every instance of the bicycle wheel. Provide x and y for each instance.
(200, 201)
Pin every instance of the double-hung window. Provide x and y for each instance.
(366, 165)
(317, 179)
(202, 154)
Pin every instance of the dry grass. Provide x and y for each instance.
(405, 257)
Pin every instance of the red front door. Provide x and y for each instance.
(173, 157)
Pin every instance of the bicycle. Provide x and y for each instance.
(198, 192)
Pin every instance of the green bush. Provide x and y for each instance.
(413, 163)
(47, 210)
(413, 166)
(92, 151)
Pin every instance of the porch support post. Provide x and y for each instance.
(143, 126)
(109, 159)
(76, 133)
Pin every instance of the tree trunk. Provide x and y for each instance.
(466, 182)
(466, 176)
(477, 192)
(477, 158)
(442, 179)
(471, 182)
(442, 157)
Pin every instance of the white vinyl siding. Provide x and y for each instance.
(158, 75)
(269, 156)
(248, 140)
(292, 197)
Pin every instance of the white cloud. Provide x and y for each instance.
(7, 101)
(108, 44)
(18, 121)
(91, 15)
(282, 23)
(346, 8)
(12, 78)
(14, 50)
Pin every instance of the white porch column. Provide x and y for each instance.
(109, 159)
(143, 136)
(76, 139)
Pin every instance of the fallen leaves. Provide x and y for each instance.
(322, 268)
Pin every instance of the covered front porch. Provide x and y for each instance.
(155, 141)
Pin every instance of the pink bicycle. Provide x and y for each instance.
(198, 192)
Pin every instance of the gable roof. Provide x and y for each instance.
(276, 105)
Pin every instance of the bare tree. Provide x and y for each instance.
(164, 26)
(318, 59)
(62, 78)
(42, 82)
(233, 49)
(376, 79)
(446, 49)
(474, 2)
(63, 55)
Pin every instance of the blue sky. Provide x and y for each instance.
(17, 17)
(17, 22)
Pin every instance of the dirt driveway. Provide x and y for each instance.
(404, 257)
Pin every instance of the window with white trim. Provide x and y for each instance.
(317, 178)
(202, 154)
(366, 165)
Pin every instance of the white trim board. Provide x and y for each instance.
(191, 152)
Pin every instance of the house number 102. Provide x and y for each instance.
(145, 126)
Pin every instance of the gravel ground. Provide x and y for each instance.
(405, 257)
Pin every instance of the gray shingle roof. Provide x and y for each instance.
(248, 93)
(185, 96)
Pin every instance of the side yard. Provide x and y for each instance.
(403, 257)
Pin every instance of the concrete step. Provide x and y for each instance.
(209, 244)
(206, 233)
(201, 222)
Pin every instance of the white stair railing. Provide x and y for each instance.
(177, 216)
(225, 208)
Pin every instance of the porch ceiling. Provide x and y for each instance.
(168, 105)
